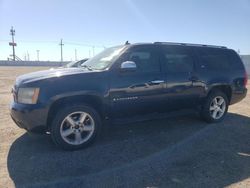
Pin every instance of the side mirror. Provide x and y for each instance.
(128, 66)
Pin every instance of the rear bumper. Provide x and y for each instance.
(29, 117)
(237, 96)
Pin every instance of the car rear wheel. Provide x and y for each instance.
(75, 127)
(215, 107)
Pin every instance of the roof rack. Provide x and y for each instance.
(188, 44)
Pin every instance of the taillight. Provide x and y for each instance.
(245, 79)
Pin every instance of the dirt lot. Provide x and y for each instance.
(173, 152)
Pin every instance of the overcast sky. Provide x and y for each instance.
(40, 24)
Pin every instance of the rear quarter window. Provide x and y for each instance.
(235, 61)
(213, 59)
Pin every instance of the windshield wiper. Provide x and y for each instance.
(86, 66)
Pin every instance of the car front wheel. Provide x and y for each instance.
(75, 127)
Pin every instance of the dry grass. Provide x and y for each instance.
(8, 130)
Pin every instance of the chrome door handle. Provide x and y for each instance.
(157, 81)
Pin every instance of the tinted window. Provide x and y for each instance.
(145, 58)
(235, 61)
(177, 59)
(213, 59)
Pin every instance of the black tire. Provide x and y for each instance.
(55, 128)
(205, 111)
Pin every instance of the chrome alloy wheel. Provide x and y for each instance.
(217, 107)
(77, 128)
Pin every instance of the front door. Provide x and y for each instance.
(137, 92)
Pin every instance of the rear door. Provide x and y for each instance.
(183, 87)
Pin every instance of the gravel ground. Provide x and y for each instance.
(175, 152)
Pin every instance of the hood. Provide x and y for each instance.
(40, 75)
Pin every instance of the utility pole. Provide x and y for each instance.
(13, 44)
(93, 50)
(28, 56)
(37, 53)
(61, 44)
(75, 55)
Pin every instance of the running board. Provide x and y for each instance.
(154, 116)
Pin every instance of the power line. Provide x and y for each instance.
(84, 44)
(30, 41)
(66, 42)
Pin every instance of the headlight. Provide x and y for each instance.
(27, 95)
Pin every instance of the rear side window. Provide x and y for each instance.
(235, 61)
(177, 59)
(213, 59)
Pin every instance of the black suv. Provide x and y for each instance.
(128, 81)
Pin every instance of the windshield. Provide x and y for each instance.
(75, 63)
(70, 64)
(104, 59)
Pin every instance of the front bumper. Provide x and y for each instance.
(29, 117)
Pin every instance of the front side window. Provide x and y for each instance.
(145, 59)
(177, 59)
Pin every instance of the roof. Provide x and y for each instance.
(181, 44)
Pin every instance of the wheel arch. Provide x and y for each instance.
(94, 101)
(225, 88)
